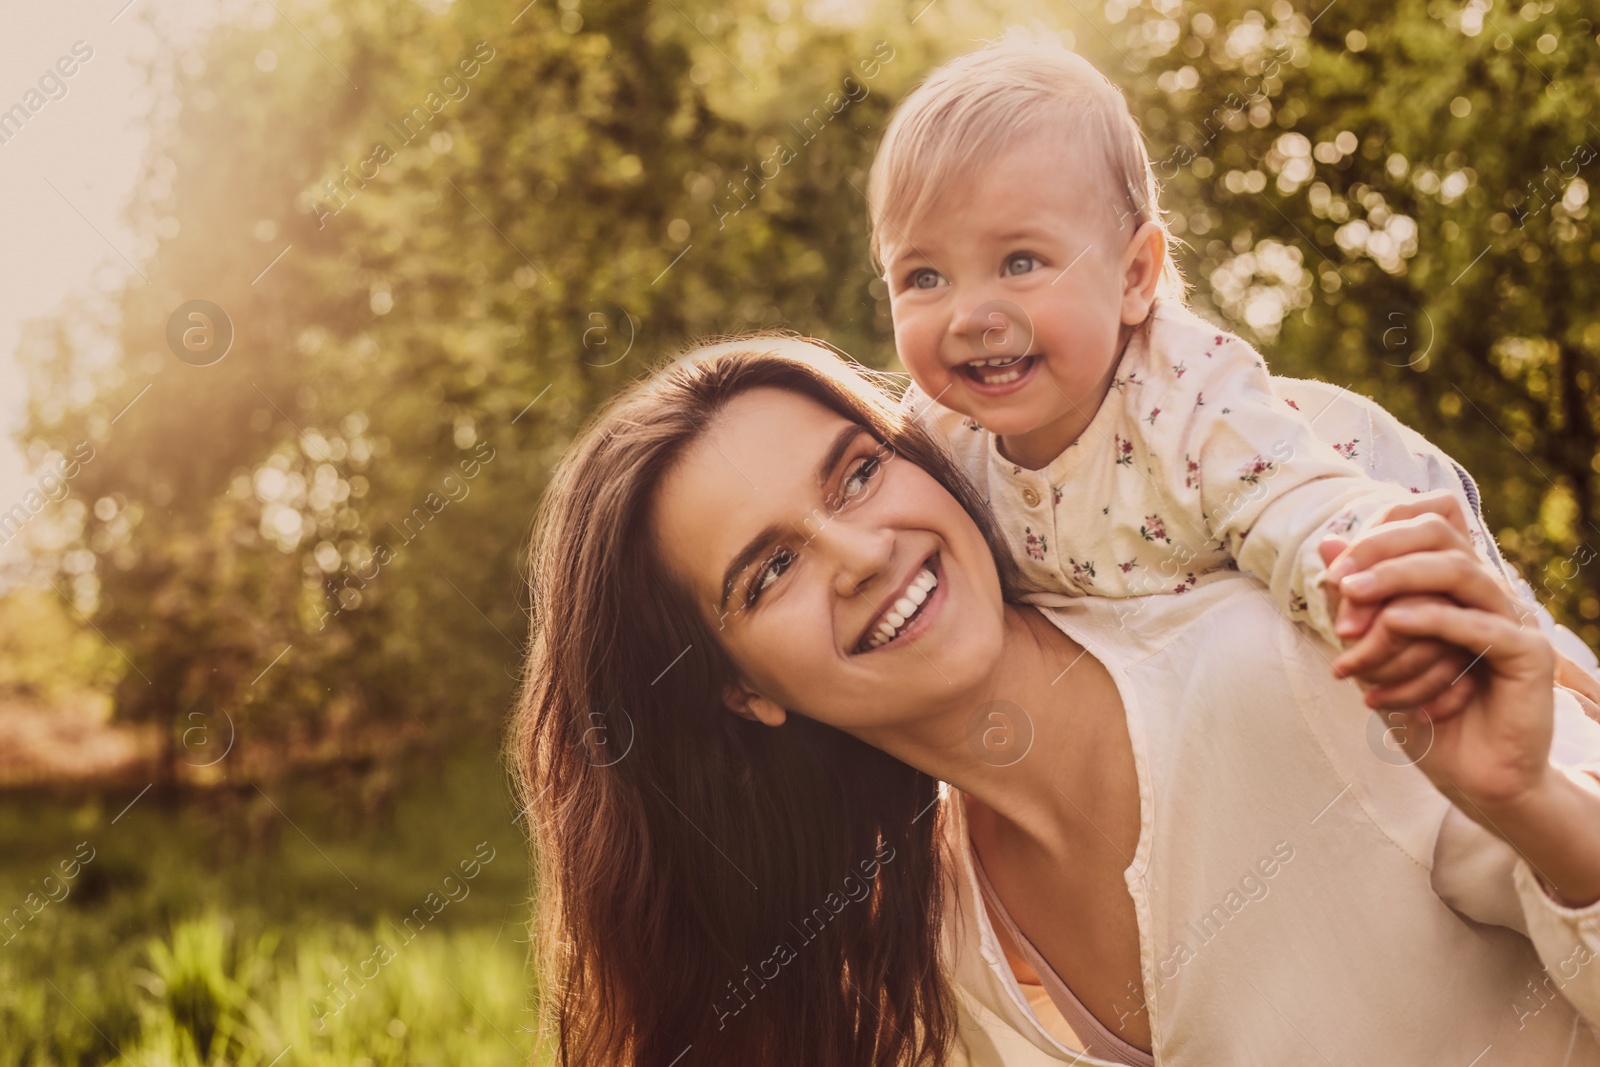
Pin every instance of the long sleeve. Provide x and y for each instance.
(1483, 878)
(1267, 487)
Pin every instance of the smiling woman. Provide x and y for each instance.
(663, 874)
(800, 612)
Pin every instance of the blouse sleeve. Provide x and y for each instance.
(1483, 878)
(1268, 487)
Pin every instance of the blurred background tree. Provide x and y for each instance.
(321, 534)
(1392, 197)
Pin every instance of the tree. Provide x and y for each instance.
(445, 233)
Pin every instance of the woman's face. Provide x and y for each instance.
(843, 581)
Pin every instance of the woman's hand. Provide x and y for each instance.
(1496, 751)
(1351, 618)
(1399, 672)
(1492, 759)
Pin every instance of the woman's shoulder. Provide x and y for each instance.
(1223, 607)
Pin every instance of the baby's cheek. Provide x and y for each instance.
(920, 355)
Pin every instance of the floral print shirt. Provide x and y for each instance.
(1199, 461)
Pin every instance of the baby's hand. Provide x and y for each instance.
(1421, 516)
(1398, 671)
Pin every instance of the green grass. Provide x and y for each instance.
(214, 930)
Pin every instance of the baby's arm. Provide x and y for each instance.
(1390, 451)
(1397, 666)
(1266, 485)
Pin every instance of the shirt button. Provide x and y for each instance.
(1030, 496)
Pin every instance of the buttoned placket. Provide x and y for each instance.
(1034, 500)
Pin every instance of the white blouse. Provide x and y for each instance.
(1303, 896)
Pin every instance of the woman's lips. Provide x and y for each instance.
(915, 624)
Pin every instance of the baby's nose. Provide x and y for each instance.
(998, 328)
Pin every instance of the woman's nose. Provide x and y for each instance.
(858, 552)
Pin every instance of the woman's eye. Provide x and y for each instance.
(924, 278)
(864, 472)
(776, 564)
(1022, 263)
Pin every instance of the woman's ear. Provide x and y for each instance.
(748, 704)
(1142, 266)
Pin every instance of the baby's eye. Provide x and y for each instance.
(774, 567)
(924, 278)
(1021, 263)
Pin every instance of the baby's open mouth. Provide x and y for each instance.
(999, 370)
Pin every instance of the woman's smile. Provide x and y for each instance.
(908, 613)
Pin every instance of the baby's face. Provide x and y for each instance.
(1008, 294)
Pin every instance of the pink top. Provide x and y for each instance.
(1098, 1040)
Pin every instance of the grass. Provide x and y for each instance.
(327, 922)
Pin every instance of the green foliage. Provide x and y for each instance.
(616, 179)
(205, 997)
(46, 654)
(197, 991)
(1407, 186)
(218, 933)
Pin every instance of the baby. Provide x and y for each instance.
(1126, 445)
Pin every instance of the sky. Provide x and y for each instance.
(69, 173)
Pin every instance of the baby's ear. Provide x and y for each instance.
(748, 704)
(1142, 266)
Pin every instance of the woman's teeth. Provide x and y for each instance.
(998, 371)
(905, 609)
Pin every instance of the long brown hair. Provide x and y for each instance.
(711, 890)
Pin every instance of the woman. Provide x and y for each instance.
(769, 621)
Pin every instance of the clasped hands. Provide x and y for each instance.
(1436, 638)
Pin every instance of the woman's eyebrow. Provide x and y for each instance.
(758, 544)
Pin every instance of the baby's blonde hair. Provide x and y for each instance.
(966, 113)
